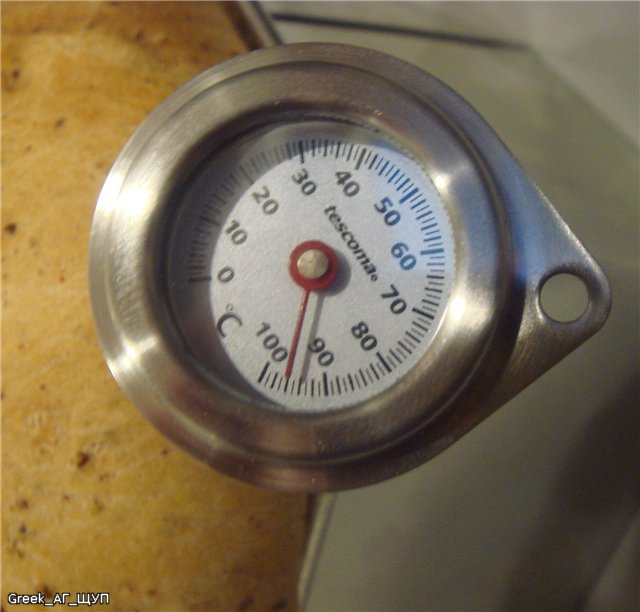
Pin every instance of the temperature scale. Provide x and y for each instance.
(315, 267)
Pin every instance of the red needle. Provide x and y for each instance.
(296, 334)
(313, 265)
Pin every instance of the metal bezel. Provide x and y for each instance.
(494, 292)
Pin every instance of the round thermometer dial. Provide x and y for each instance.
(315, 267)
(310, 264)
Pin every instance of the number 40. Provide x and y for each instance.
(350, 188)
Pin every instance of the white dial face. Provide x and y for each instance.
(310, 265)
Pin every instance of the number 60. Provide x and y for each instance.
(407, 261)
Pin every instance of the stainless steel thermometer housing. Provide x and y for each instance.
(265, 175)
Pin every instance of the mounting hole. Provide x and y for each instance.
(564, 297)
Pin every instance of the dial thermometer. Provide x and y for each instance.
(315, 267)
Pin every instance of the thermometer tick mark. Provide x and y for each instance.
(290, 153)
(409, 195)
(254, 164)
(423, 313)
(364, 380)
(435, 238)
(401, 186)
(412, 337)
(208, 220)
(420, 326)
(383, 362)
(350, 151)
(195, 266)
(234, 180)
(398, 180)
(225, 187)
(205, 231)
(405, 347)
(264, 371)
(393, 175)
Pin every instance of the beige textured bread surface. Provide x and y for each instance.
(93, 498)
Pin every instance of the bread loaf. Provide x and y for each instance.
(94, 499)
